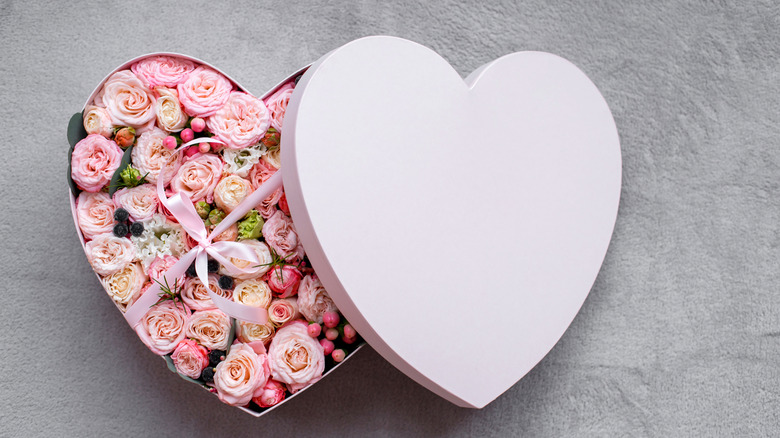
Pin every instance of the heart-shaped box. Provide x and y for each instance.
(457, 224)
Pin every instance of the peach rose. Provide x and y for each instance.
(128, 100)
(284, 280)
(141, 201)
(151, 157)
(259, 174)
(170, 116)
(251, 332)
(241, 122)
(95, 213)
(204, 92)
(124, 286)
(190, 359)
(240, 375)
(273, 158)
(94, 161)
(195, 295)
(230, 191)
(282, 311)
(97, 120)
(198, 176)
(279, 233)
(251, 269)
(160, 265)
(230, 234)
(277, 104)
(252, 292)
(108, 254)
(211, 328)
(162, 328)
(163, 70)
(273, 393)
(313, 300)
(295, 358)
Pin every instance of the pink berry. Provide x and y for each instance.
(187, 135)
(330, 319)
(331, 334)
(327, 346)
(349, 331)
(192, 150)
(204, 147)
(198, 124)
(338, 355)
(314, 330)
(347, 340)
(170, 142)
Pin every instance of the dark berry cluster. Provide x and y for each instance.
(123, 225)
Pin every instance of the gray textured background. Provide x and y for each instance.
(680, 335)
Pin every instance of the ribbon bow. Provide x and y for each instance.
(182, 208)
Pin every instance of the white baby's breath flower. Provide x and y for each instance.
(161, 237)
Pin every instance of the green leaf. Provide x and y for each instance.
(76, 133)
(117, 177)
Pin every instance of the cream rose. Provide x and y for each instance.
(282, 311)
(108, 254)
(125, 286)
(141, 201)
(274, 158)
(253, 292)
(252, 269)
(162, 328)
(241, 122)
(97, 120)
(313, 300)
(197, 297)
(198, 176)
(170, 116)
(251, 332)
(240, 375)
(211, 328)
(230, 191)
(128, 100)
(151, 157)
(295, 358)
(95, 213)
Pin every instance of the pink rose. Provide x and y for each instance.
(313, 300)
(109, 254)
(273, 393)
(161, 265)
(94, 161)
(198, 176)
(295, 358)
(128, 100)
(140, 202)
(95, 213)
(204, 92)
(197, 297)
(241, 122)
(163, 70)
(282, 311)
(162, 328)
(151, 157)
(284, 280)
(279, 233)
(190, 359)
(211, 328)
(97, 120)
(283, 204)
(277, 104)
(242, 375)
(230, 191)
(259, 174)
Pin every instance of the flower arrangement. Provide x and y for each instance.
(170, 127)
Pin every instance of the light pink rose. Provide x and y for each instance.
(284, 280)
(128, 100)
(94, 161)
(242, 122)
(190, 359)
(250, 332)
(197, 297)
(279, 233)
(108, 254)
(211, 328)
(161, 265)
(230, 191)
(204, 92)
(95, 213)
(97, 120)
(273, 394)
(277, 104)
(162, 328)
(124, 286)
(259, 174)
(198, 176)
(313, 300)
(295, 358)
(151, 157)
(281, 311)
(163, 70)
(140, 202)
(242, 375)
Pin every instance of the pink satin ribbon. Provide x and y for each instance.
(182, 208)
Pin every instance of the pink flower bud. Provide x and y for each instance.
(331, 334)
(198, 124)
(338, 355)
(349, 331)
(330, 319)
(187, 135)
(192, 150)
(314, 330)
(170, 142)
(204, 147)
(327, 345)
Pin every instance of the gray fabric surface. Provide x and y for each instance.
(680, 335)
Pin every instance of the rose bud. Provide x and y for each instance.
(203, 208)
(170, 142)
(330, 319)
(197, 124)
(327, 345)
(349, 331)
(338, 355)
(187, 135)
(331, 334)
(314, 329)
(125, 137)
(271, 138)
(272, 394)
(215, 216)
